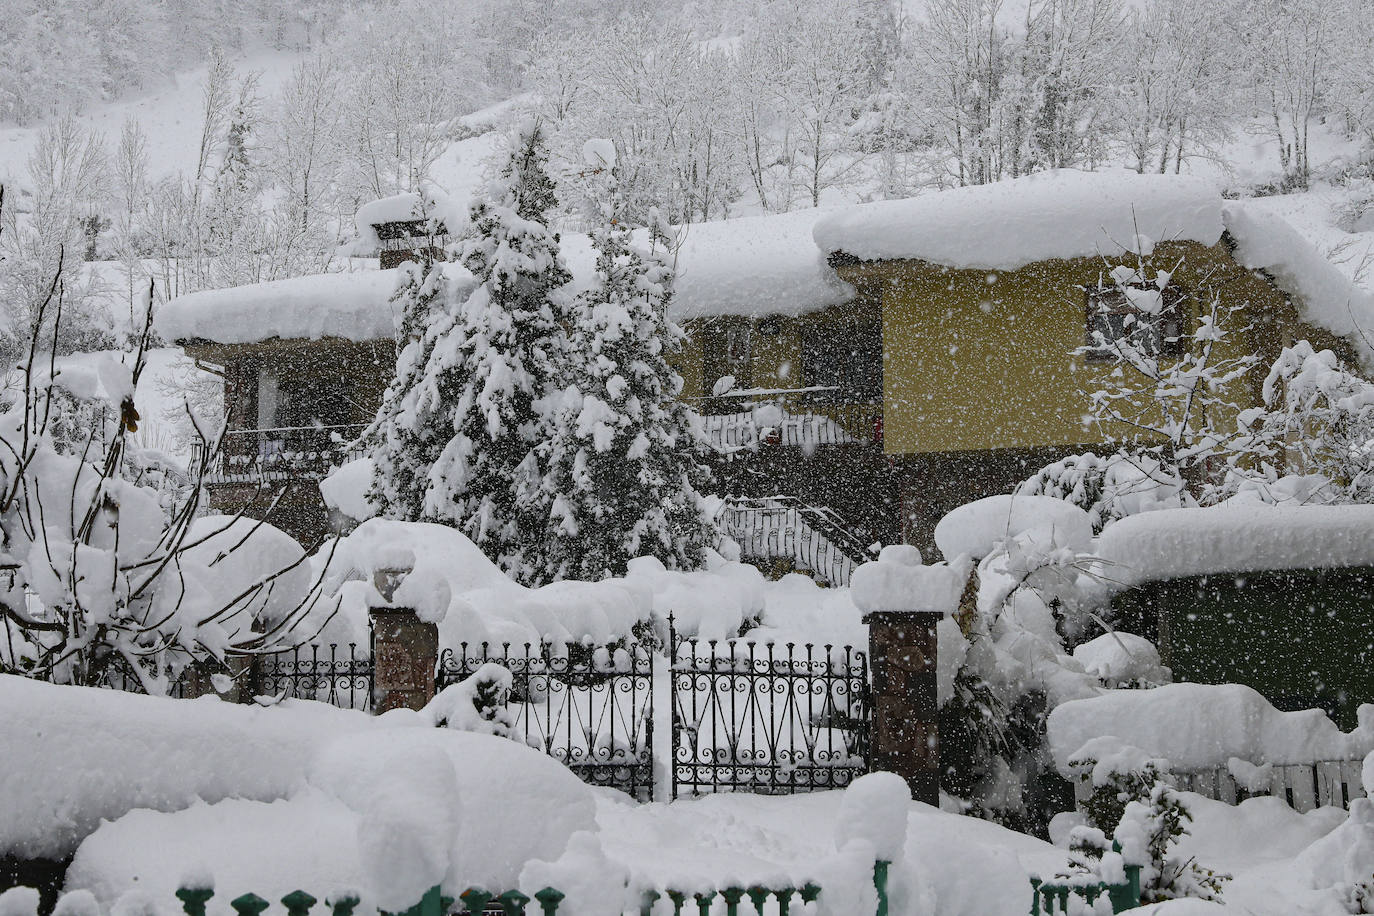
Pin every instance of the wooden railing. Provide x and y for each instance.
(798, 417)
(284, 453)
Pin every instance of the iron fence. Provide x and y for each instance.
(767, 718)
(318, 673)
(590, 708)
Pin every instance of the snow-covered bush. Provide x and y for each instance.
(1034, 558)
(1317, 421)
(1118, 775)
(1111, 487)
(1171, 381)
(103, 576)
(1149, 832)
(478, 703)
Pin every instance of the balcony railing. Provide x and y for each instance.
(285, 453)
(799, 417)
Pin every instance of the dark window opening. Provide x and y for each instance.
(845, 356)
(1113, 320)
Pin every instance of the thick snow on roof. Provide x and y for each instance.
(1177, 543)
(1003, 226)
(760, 265)
(1309, 259)
(354, 305)
(396, 208)
(752, 266)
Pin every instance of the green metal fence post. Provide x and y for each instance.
(193, 899)
(784, 896)
(513, 903)
(809, 892)
(732, 895)
(704, 902)
(757, 896)
(647, 901)
(298, 903)
(475, 899)
(549, 898)
(343, 906)
(250, 904)
(880, 868)
(1035, 897)
(678, 898)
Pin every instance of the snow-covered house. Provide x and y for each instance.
(887, 361)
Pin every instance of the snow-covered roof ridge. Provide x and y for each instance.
(1268, 239)
(1063, 213)
(1178, 543)
(353, 305)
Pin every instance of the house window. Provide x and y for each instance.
(846, 356)
(727, 350)
(291, 400)
(1134, 313)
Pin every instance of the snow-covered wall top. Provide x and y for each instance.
(1195, 726)
(1007, 225)
(751, 266)
(1176, 543)
(1267, 238)
(354, 305)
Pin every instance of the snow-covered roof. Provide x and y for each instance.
(752, 266)
(1310, 260)
(396, 208)
(354, 305)
(1009, 224)
(1178, 543)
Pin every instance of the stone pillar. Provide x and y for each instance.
(906, 732)
(405, 651)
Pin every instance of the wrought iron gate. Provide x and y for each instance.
(766, 718)
(590, 708)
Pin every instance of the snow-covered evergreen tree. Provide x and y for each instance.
(402, 451)
(493, 359)
(624, 476)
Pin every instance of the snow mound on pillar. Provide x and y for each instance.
(975, 529)
(897, 581)
(1063, 213)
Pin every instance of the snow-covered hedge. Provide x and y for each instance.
(1175, 543)
(77, 757)
(1198, 726)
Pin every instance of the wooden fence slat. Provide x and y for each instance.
(1329, 791)
(1226, 786)
(1352, 773)
(1302, 785)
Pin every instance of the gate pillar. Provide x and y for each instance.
(906, 733)
(405, 652)
(902, 602)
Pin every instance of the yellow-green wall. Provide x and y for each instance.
(984, 359)
(977, 359)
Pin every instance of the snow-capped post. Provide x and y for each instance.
(405, 650)
(902, 602)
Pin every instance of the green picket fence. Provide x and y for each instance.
(514, 903)
(1052, 897)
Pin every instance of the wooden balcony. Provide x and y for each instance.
(790, 417)
(284, 454)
